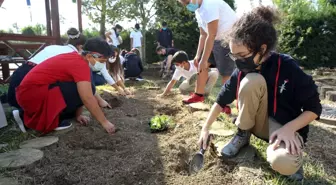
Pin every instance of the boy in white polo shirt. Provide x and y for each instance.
(188, 69)
(214, 18)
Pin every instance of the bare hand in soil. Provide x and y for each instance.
(128, 92)
(121, 92)
(104, 104)
(109, 127)
(292, 142)
(203, 139)
(84, 120)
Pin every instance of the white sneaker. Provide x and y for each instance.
(65, 124)
(139, 79)
(18, 120)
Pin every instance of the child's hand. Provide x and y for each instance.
(84, 120)
(128, 92)
(121, 92)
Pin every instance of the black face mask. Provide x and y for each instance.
(246, 65)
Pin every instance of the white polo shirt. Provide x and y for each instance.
(211, 10)
(136, 36)
(184, 73)
(51, 51)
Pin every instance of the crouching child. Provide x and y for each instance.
(188, 69)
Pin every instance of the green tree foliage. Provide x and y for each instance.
(308, 33)
(102, 12)
(38, 29)
(28, 31)
(182, 23)
(143, 11)
(89, 33)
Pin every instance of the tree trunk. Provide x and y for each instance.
(144, 48)
(103, 19)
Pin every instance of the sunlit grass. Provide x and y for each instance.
(313, 169)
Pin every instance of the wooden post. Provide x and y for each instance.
(79, 10)
(47, 8)
(55, 21)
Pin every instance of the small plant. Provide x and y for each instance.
(160, 123)
(3, 89)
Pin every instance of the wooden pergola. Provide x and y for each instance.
(15, 44)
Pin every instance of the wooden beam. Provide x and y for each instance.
(47, 8)
(31, 38)
(18, 51)
(79, 10)
(23, 46)
(55, 21)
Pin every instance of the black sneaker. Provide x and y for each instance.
(65, 124)
(241, 139)
(18, 119)
(298, 176)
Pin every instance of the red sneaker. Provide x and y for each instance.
(193, 99)
(227, 110)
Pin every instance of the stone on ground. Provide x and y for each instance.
(221, 132)
(325, 89)
(198, 107)
(331, 96)
(21, 157)
(39, 142)
(8, 181)
(328, 113)
(201, 115)
(3, 121)
(218, 128)
(246, 154)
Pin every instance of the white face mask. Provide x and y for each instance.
(112, 60)
(179, 68)
(98, 66)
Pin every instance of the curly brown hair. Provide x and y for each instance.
(254, 29)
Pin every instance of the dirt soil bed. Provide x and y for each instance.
(327, 81)
(88, 155)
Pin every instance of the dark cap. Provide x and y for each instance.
(98, 45)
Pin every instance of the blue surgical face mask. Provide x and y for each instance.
(192, 7)
(164, 28)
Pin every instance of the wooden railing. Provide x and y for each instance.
(20, 45)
